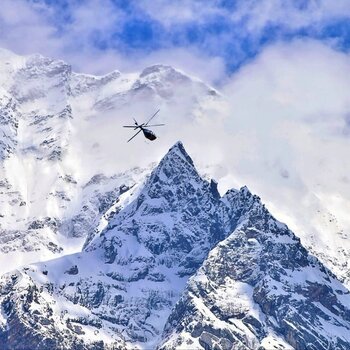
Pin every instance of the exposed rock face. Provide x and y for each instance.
(260, 289)
(131, 274)
(175, 216)
(238, 278)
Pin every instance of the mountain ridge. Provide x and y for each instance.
(120, 291)
(48, 133)
(154, 237)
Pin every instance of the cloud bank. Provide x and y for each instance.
(292, 106)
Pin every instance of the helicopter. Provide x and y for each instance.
(150, 135)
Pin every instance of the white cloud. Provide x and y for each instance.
(288, 120)
(180, 12)
(209, 69)
(36, 27)
(29, 27)
(255, 14)
(33, 27)
(282, 130)
(22, 27)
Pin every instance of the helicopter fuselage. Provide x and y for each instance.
(149, 134)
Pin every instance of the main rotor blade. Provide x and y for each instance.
(154, 125)
(135, 121)
(130, 126)
(152, 117)
(134, 135)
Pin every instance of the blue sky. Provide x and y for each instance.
(101, 35)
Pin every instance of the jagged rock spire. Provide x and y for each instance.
(253, 284)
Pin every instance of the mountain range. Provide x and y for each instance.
(151, 257)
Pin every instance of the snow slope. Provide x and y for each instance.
(62, 165)
(253, 284)
(260, 289)
(112, 246)
(59, 129)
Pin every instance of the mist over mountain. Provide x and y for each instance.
(102, 247)
(63, 155)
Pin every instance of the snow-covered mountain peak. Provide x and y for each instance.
(83, 83)
(179, 149)
(164, 71)
(157, 69)
(41, 64)
(173, 184)
(147, 231)
(253, 285)
(172, 75)
(49, 117)
(176, 168)
(166, 80)
(160, 72)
